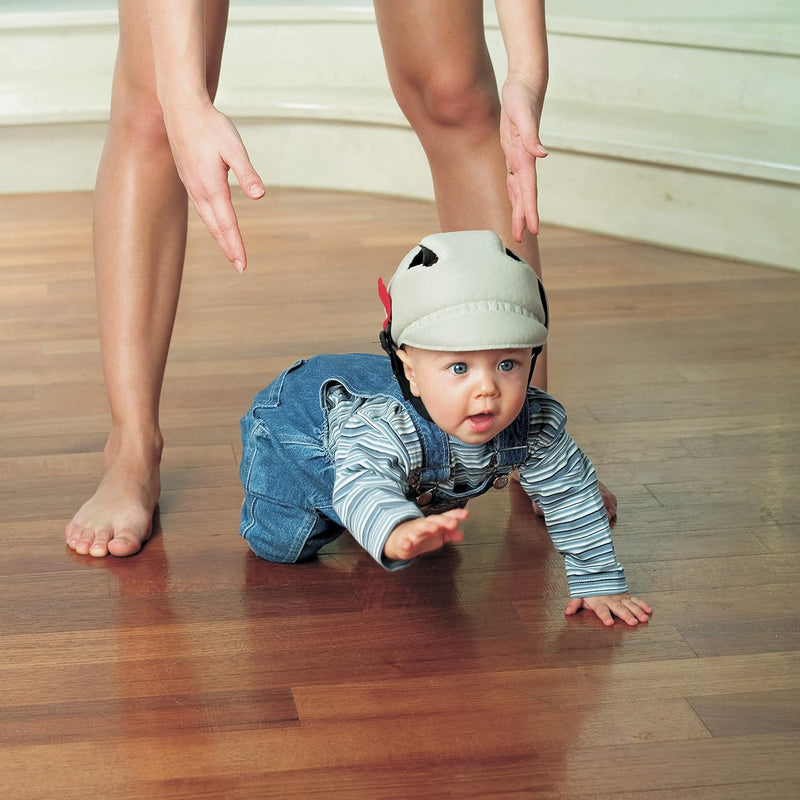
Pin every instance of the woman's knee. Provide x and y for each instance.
(450, 98)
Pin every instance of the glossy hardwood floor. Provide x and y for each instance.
(195, 670)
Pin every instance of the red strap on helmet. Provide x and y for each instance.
(386, 299)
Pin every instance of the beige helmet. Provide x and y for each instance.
(462, 291)
(465, 291)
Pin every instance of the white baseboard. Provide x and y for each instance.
(675, 131)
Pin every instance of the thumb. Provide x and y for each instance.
(573, 606)
(528, 132)
(533, 143)
(252, 184)
(248, 178)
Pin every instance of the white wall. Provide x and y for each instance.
(673, 124)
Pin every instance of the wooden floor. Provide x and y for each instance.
(195, 670)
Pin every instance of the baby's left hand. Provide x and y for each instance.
(628, 609)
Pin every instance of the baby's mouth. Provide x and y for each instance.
(480, 422)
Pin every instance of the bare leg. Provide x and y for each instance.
(139, 242)
(442, 76)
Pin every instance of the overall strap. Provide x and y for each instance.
(368, 375)
(435, 449)
(511, 444)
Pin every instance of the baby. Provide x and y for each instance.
(391, 449)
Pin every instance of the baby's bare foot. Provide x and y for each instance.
(118, 518)
(609, 500)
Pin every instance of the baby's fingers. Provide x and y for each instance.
(605, 615)
(640, 608)
(445, 525)
(574, 606)
(630, 610)
(455, 514)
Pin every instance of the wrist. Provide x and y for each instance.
(532, 80)
(192, 98)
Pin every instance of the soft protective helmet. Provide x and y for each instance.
(462, 291)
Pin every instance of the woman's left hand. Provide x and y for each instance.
(519, 138)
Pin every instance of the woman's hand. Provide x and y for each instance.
(206, 145)
(519, 137)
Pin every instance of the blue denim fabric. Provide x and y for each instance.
(287, 468)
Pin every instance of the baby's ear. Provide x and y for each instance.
(408, 369)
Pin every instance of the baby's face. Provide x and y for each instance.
(472, 395)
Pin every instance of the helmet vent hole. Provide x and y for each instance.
(425, 257)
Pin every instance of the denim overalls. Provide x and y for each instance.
(287, 467)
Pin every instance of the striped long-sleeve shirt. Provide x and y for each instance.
(376, 449)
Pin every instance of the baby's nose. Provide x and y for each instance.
(486, 384)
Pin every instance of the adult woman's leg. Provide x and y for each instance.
(139, 243)
(442, 76)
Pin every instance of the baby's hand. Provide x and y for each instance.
(417, 536)
(628, 609)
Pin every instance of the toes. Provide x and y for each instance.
(99, 544)
(71, 535)
(127, 542)
(99, 547)
(95, 543)
(87, 542)
(82, 541)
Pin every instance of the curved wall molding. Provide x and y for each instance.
(681, 130)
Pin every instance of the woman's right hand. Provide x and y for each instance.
(205, 143)
(206, 146)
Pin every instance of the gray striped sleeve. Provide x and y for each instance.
(562, 480)
(376, 449)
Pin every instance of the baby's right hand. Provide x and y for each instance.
(425, 534)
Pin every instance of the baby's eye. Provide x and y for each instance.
(506, 365)
(458, 369)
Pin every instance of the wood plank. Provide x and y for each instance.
(749, 713)
(174, 714)
(678, 766)
(197, 670)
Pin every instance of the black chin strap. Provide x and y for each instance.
(534, 356)
(399, 372)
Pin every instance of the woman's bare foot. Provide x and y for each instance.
(118, 518)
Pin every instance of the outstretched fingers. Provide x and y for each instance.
(216, 210)
(206, 146)
(519, 138)
(524, 196)
(424, 534)
(629, 609)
